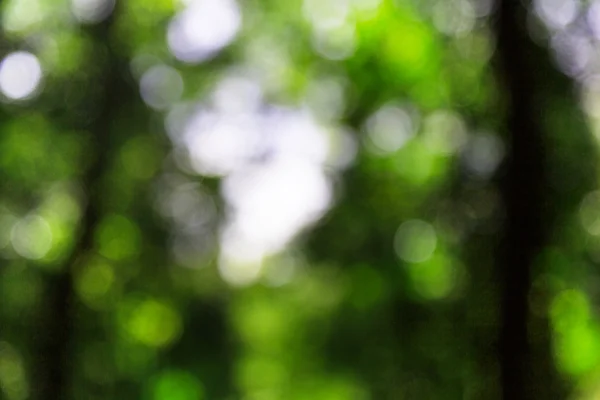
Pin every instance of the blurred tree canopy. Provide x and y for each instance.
(299, 200)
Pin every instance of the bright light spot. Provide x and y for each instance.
(336, 43)
(444, 132)
(415, 241)
(22, 15)
(483, 155)
(218, 144)
(91, 11)
(62, 202)
(273, 162)
(589, 213)
(241, 259)
(237, 95)
(295, 133)
(20, 75)
(203, 29)
(455, 17)
(221, 144)
(32, 237)
(593, 18)
(576, 333)
(270, 204)
(556, 13)
(573, 52)
(389, 129)
(161, 86)
(326, 14)
(578, 349)
(153, 323)
(273, 202)
(270, 60)
(334, 37)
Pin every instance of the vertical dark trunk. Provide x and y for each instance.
(533, 206)
(522, 187)
(110, 89)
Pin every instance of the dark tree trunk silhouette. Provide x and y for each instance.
(110, 90)
(531, 205)
(522, 191)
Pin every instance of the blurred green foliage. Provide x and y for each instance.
(269, 200)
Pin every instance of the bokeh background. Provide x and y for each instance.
(298, 200)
